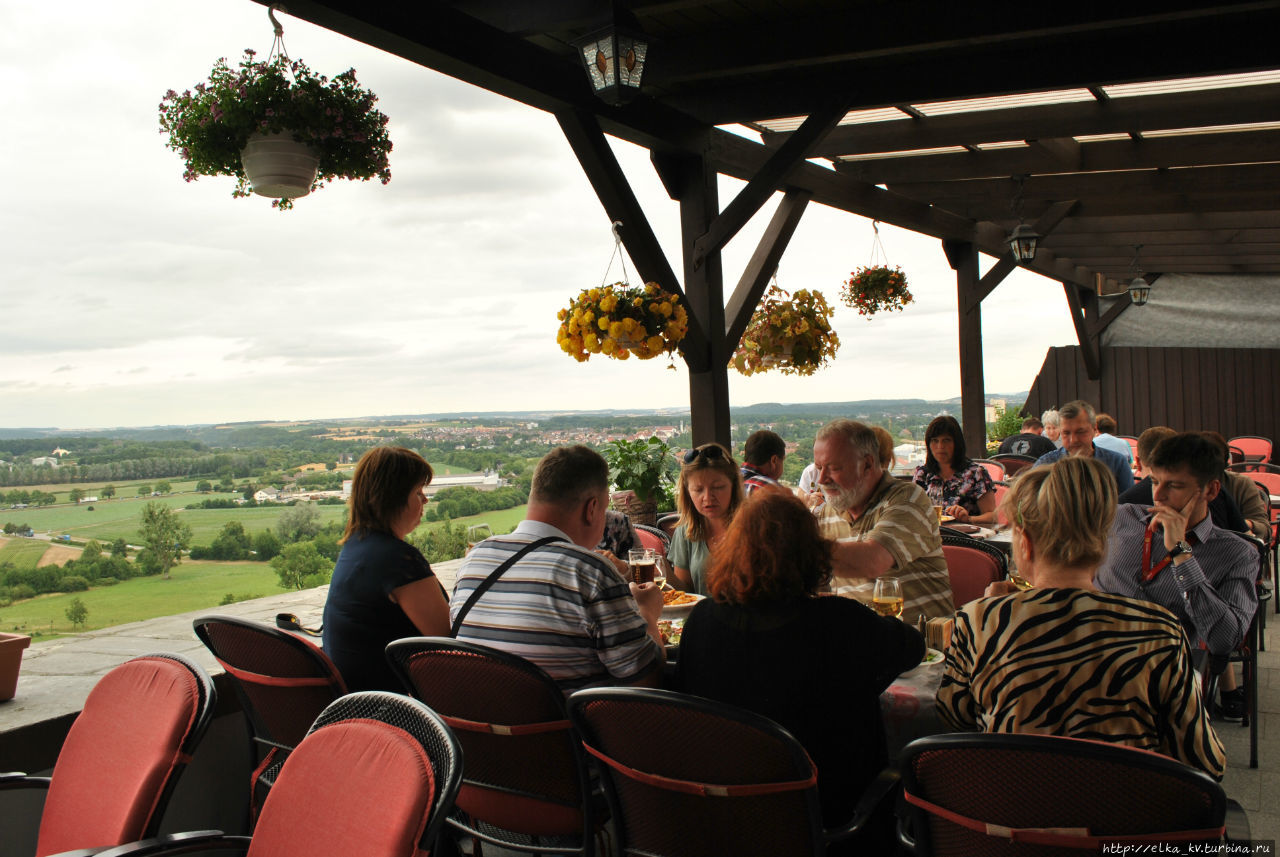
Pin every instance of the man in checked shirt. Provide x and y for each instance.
(1173, 555)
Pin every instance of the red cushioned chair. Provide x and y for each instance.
(653, 538)
(971, 565)
(283, 682)
(1269, 484)
(1254, 448)
(1013, 463)
(995, 468)
(122, 758)
(689, 777)
(1013, 795)
(526, 786)
(374, 777)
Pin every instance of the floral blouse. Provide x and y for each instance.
(962, 489)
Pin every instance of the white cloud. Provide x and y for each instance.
(133, 297)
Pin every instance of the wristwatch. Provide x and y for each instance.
(1179, 549)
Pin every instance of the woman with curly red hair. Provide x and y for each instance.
(765, 641)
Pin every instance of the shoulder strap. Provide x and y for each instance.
(493, 578)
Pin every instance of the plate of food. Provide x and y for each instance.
(943, 519)
(671, 630)
(677, 602)
(933, 658)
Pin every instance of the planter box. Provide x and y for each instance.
(11, 646)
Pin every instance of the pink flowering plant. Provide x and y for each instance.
(874, 288)
(209, 124)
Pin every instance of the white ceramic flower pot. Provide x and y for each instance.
(278, 166)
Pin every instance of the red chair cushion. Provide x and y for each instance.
(119, 754)
(355, 787)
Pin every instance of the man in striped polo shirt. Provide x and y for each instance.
(881, 526)
(562, 606)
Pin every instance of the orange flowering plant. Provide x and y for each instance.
(791, 333)
(874, 288)
(619, 320)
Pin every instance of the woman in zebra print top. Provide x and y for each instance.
(1063, 658)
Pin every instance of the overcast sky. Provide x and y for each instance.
(134, 298)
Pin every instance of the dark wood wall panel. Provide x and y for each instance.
(1231, 390)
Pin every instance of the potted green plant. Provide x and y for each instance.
(641, 474)
(791, 333)
(279, 129)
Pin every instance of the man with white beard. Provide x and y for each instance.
(882, 526)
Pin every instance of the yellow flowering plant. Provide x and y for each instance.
(791, 333)
(620, 320)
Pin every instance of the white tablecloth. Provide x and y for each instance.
(909, 707)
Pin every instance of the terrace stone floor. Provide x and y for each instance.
(57, 676)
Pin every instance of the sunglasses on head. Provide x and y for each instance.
(710, 452)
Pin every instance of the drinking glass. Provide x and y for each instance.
(660, 572)
(642, 562)
(887, 597)
(476, 533)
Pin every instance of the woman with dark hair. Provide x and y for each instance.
(765, 641)
(382, 587)
(708, 494)
(961, 487)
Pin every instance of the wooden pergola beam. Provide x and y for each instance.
(764, 261)
(1241, 147)
(1088, 345)
(767, 180)
(1237, 106)
(963, 258)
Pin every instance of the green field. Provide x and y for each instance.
(23, 553)
(193, 586)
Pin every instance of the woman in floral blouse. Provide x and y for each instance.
(963, 488)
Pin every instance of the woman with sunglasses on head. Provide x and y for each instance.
(382, 587)
(708, 494)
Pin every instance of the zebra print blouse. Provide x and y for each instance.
(1078, 663)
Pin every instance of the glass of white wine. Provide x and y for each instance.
(660, 572)
(887, 597)
(1019, 581)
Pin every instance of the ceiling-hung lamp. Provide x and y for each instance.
(614, 58)
(1139, 288)
(1024, 240)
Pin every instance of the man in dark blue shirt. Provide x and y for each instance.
(1078, 430)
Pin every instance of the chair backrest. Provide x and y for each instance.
(1002, 489)
(688, 776)
(1012, 463)
(376, 776)
(284, 681)
(995, 468)
(1053, 791)
(525, 771)
(1254, 448)
(1235, 455)
(971, 565)
(124, 753)
(652, 538)
(1133, 444)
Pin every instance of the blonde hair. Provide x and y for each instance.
(887, 457)
(695, 525)
(1066, 509)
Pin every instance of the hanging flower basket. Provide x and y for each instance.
(791, 333)
(278, 166)
(218, 125)
(620, 320)
(876, 288)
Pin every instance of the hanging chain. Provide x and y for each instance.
(277, 43)
(619, 254)
(1133, 266)
(878, 255)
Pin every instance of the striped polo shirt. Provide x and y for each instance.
(899, 518)
(561, 607)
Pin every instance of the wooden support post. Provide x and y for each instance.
(963, 258)
(693, 182)
(764, 261)
(1088, 346)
